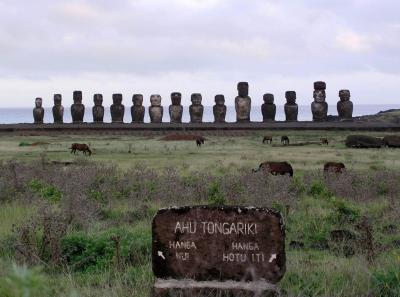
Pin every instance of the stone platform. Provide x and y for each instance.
(190, 288)
(166, 128)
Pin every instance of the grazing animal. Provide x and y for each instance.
(275, 168)
(336, 167)
(82, 147)
(200, 140)
(285, 140)
(391, 141)
(267, 139)
(324, 140)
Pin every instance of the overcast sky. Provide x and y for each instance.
(198, 46)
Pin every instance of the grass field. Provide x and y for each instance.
(59, 224)
(219, 152)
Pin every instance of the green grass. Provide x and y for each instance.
(219, 154)
(310, 272)
(13, 213)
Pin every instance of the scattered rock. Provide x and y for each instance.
(396, 243)
(296, 245)
(389, 229)
(363, 141)
(320, 245)
(342, 235)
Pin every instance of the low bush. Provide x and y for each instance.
(114, 247)
(386, 282)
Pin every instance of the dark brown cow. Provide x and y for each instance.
(285, 140)
(336, 167)
(200, 140)
(324, 140)
(391, 141)
(275, 168)
(82, 147)
(267, 139)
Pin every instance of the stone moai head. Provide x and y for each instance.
(319, 91)
(57, 99)
(176, 98)
(219, 99)
(290, 97)
(243, 89)
(344, 95)
(196, 99)
(77, 95)
(268, 98)
(155, 100)
(117, 99)
(319, 85)
(137, 99)
(38, 102)
(98, 99)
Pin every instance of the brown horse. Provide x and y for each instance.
(275, 168)
(200, 140)
(267, 139)
(336, 167)
(82, 147)
(285, 140)
(324, 140)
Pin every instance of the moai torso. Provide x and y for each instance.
(345, 106)
(268, 109)
(176, 109)
(137, 110)
(156, 111)
(58, 109)
(291, 108)
(319, 107)
(77, 109)
(219, 109)
(98, 109)
(38, 111)
(196, 109)
(117, 109)
(243, 103)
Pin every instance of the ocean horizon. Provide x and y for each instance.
(25, 115)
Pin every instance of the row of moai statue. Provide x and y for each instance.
(319, 107)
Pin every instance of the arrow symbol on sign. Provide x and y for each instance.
(160, 254)
(273, 257)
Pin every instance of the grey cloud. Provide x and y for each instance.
(232, 40)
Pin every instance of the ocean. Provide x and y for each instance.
(24, 115)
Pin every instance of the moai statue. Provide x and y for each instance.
(196, 109)
(319, 107)
(117, 109)
(77, 109)
(137, 110)
(345, 106)
(243, 103)
(58, 109)
(291, 108)
(156, 111)
(98, 108)
(219, 109)
(38, 111)
(268, 109)
(176, 109)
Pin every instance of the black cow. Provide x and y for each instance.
(275, 168)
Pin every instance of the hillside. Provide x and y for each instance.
(391, 116)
